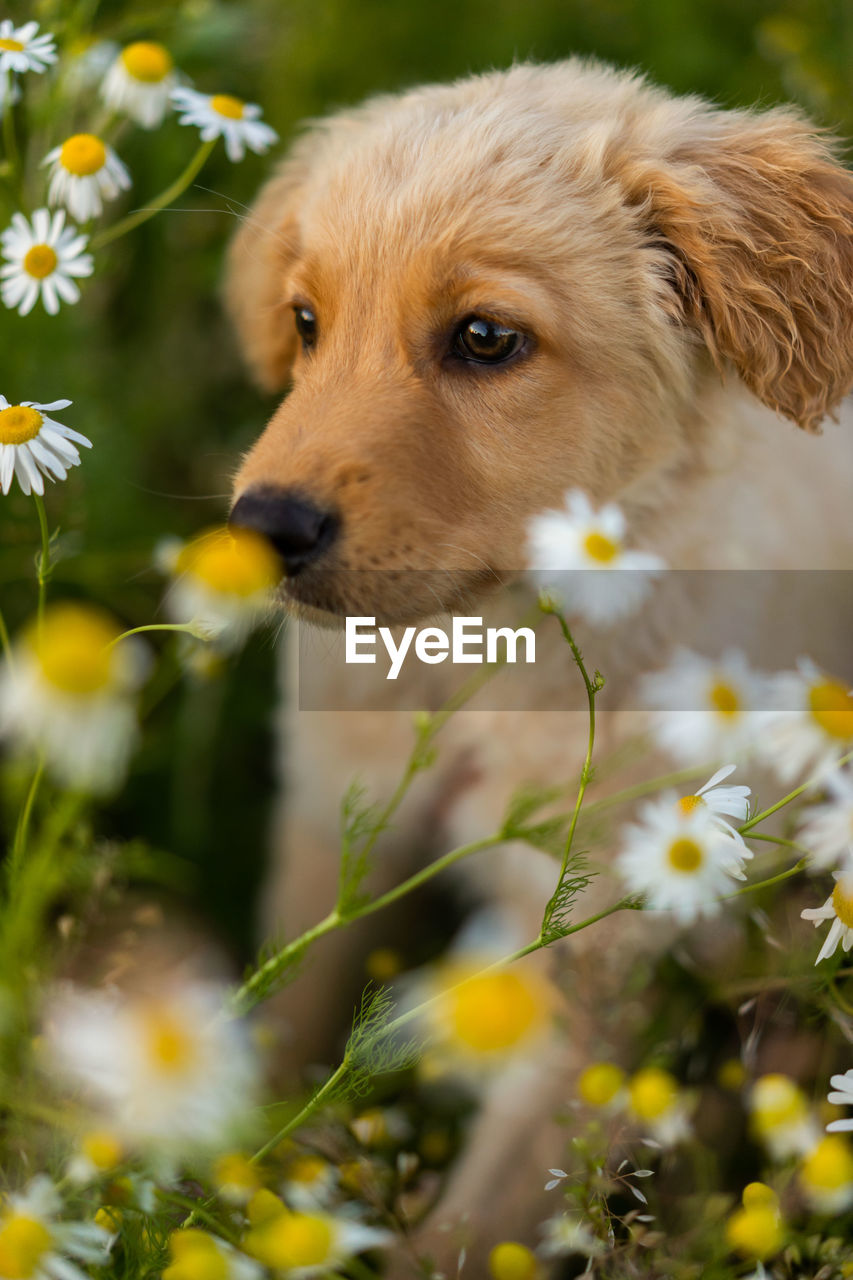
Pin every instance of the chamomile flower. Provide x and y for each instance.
(656, 1102)
(98, 1154)
(780, 1116)
(602, 1084)
(828, 829)
(678, 858)
(42, 258)
(169, 1072)
(198, 1255)
(305, 1244)
(811, 726)
(564, 1235)
(578, 554)
(510, 1260)
(841, 1096)
(85, 172)
(826, 1175)
(32, 445)
(140, 81)
(35, 1245)
(721, 803)
(23, 49)
(703, 709)
(223, 581)
(220, 115)
(69, 694)
(236, 1177)
(756, 1231)
(309, 1182)
(839, 909)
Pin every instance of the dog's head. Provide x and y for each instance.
(490, 292)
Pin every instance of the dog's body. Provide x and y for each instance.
(665, 268)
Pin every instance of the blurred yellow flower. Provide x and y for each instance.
(223, 580)
(601, 1084)
(512, 1261)
(235, 1177)
(781, 1117)
(139, 82)
(656, 1101)
(755, 1232)
(197, 1255)
(826, 1175)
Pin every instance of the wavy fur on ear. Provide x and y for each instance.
(759, 217)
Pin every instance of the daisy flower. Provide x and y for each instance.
(309, 1182)
(305, 1244)
(756, 1231)
(565, 1235)
(223, 581)
(221, 116)
(69, 694)
(780, 1116)
(140, 82)
(842, 1096)
(703, 709)
(839, 909)
(678, 858)
(98, 1154)
(42, 257)
(167, 1071)
(510, 1260)
(828, 828)
(84, 173)
(721, 802)
(198, 1255)
(21, 49)
(811, 725)
(579, 554)
(236, 1177)
(35, 1245)
(602, 1084)
(826, 1175)
(656, 1102)
(32, 445)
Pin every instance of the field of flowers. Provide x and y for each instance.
(143, 1132)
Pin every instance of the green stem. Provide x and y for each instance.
(10, 146)
(43, 566)
(787, 844)
(19, 844)
(6, 643)
(765, 884)
(166, 197)
(189, 627)
(792, 795)
(646, 788)
(311, 1107)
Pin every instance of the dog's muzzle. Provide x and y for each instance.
(300, 531)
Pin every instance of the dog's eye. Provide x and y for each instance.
(486, 341)
(306, 325)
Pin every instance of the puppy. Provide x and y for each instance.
(486, 294)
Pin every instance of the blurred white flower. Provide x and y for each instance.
(679, 859)
(702, 709)
(841, 1096)
(655, 1101)
(35, 1245)
(565, 1235)
(310, 1182)
(22, 49)
(578, 555)
(811, 725)
(69, 694)
(305, 1244)
(826, 1175)
(84, 173)
(780, 1116)
(219, 115)
(839, 909)
(169, 1072)
(827, 830)
(42, 258)
(97, 1154)
(140, 81)
(223, 583)
(85, 61)
(198, 1255)
(33, 445)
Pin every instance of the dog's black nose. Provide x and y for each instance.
(299, 531)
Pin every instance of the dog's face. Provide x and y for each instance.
(490, 293)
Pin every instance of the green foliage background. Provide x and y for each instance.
(152, 369)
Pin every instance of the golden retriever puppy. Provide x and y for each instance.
(485, 294)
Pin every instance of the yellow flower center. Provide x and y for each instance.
(600, 548)
(8, 45)
(195, 1256)
(842, 905)
(778, 1103)
(82, 155)
(600, 1083)
(723, 699)
(831, 705)
(755, 1232)
(307, 1170)
(239, 563)
(652, 1092)
(684, 855)
(168, 1047)
(109, 1217)
(758, 1194)
(103, 1149)
(494, 1012)
(731, 1075)
(23, 1241)
(72, 651)
(829, 1166)
(40, 261)
(292, 1240)
(264, 1207)
(511, 1261)
(234, 1170)
(19, 424)
(224, 105)
(146, 61)
(687, 804)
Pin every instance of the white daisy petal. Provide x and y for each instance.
(36, 265)
(226, 117)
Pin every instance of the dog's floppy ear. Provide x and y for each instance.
(258, 257)
(758, 219)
